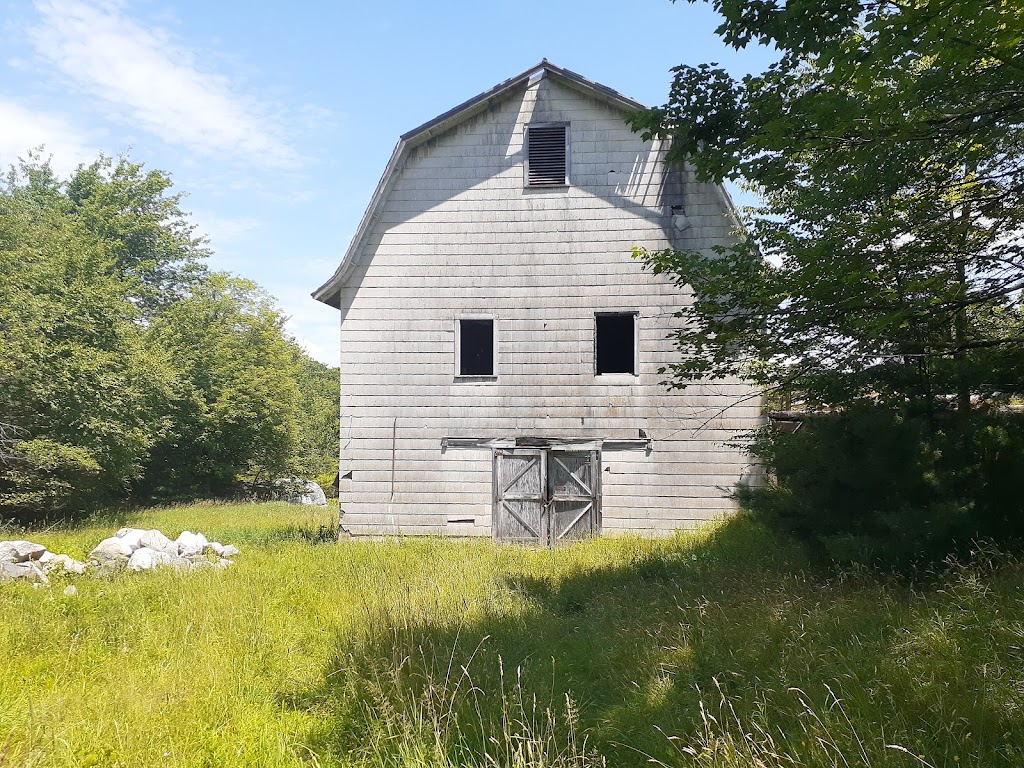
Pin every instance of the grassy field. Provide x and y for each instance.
(721, 648)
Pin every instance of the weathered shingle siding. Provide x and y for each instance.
(459, 234)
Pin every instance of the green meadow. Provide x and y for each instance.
(721, 647)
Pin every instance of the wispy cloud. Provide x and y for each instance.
(22, 129)
(144, 76)
(314, 325)
(222, 230)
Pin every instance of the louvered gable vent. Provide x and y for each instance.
(546, 153)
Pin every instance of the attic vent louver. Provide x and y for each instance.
(547, 153)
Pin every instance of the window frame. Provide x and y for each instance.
(635, 373)
(526, 155)
(469, 377)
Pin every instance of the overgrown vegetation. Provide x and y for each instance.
(720, 648)
(128, 370)
(887, 147)
(885, 262)
(870, 484)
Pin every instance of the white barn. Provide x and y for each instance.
(500, 348)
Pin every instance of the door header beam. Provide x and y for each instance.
(645, 444)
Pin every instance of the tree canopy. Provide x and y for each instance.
(886, 144)
(84, 394)
(128, 370)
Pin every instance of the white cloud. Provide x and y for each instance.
(222, 230)
(314, 325)
(317, 347)
(146, 78)
(22, 129)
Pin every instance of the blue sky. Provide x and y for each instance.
(278, 119)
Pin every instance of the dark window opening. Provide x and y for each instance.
(616, 344)
(546, 155)
(476, 347)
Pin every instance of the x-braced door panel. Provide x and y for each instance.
(520, 506)
(573, 495)
(546, 496)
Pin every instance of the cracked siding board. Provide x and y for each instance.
(458, 233)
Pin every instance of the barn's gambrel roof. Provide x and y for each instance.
(328, 292)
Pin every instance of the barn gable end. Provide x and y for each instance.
(458, 248)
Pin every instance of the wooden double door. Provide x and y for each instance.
(546, 496)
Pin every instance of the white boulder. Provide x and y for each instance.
(27, 570)
(68, 564)
(216, 547)
(156, 540)
(20, 551)
(109, 550)
(153, 539)
(132, 537)
(304, 492)
(10, 571)
(230, 550)
(37, 574)
(311, 494)
(191, 544)
(146, 559)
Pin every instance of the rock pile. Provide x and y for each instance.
(134, 548)
(144, 550)
(23, 560)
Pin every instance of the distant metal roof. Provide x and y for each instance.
(328, 292)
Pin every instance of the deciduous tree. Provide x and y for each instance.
(82, 397)
(125, 367)
(235, 409)
(886, 258)
(881, 274)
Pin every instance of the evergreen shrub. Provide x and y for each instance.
(881, 486)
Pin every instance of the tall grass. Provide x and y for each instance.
(716, 648)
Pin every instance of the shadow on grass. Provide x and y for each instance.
(728, 642)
